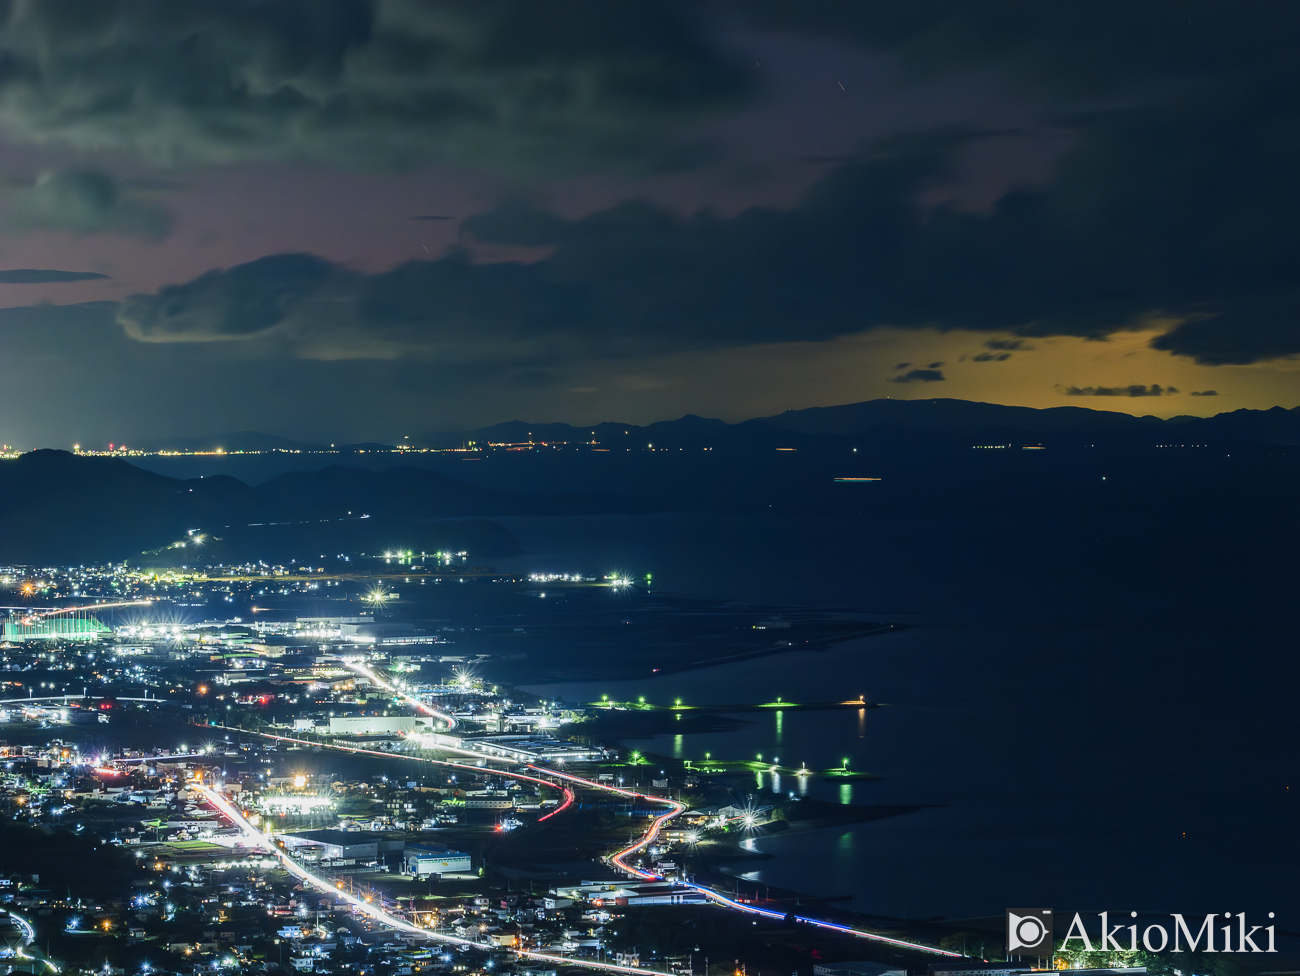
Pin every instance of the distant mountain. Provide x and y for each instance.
(251, 440)
(795, 428)
(944, 418)
(56, 507)
(239, 440)
(1275, 426)
(952, 416)
(688, 431)
(60, 508)
(896, 458)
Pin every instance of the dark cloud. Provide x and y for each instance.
(857, 252)
(34, 276)
(1136, 390)
(1205, 393)
(935, 365)
(991, 357)
(249, 300)
(633, 279)
(1243, 328)
(902, 366)
(1177, 201)
(1174, 207)
(920, 376)
(517, 85)
(84, 201)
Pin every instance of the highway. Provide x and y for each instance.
(29, 934)
(28, 937)
(568, 794)
(371, 910)
(619, 858)
(66, 699)
(429, 710)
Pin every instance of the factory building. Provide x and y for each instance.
(53, 627)
(423, 860)
(347, 845)
(375, 724)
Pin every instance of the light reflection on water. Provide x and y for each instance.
(952, 708)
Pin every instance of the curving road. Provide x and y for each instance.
(369, 909)
(429, 710)
(619, 859)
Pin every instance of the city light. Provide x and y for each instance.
(377, 596)
(290, 803)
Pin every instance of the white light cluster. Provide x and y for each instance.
(293, 804)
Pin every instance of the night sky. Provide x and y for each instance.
(339, 219)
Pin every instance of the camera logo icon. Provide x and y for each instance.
(1029, 931)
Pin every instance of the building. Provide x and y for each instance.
(347, 845)
(53, 627)
(652, 893)
(423, 860)
(374, 724)
(489, 803)
(531, 748)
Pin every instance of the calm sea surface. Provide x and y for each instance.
(1071, 751)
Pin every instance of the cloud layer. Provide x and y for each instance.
(1112, 244)
(1174, 207)
(1132, 390)
(40, 276)
(516, 85)
(83, 201)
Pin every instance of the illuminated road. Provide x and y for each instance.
(429, 710)
(648, 838)
(619, 859)
(71, 698)
(94, 606)
(28, 937)
(368, 908)
(402, 755)
(29, 933)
